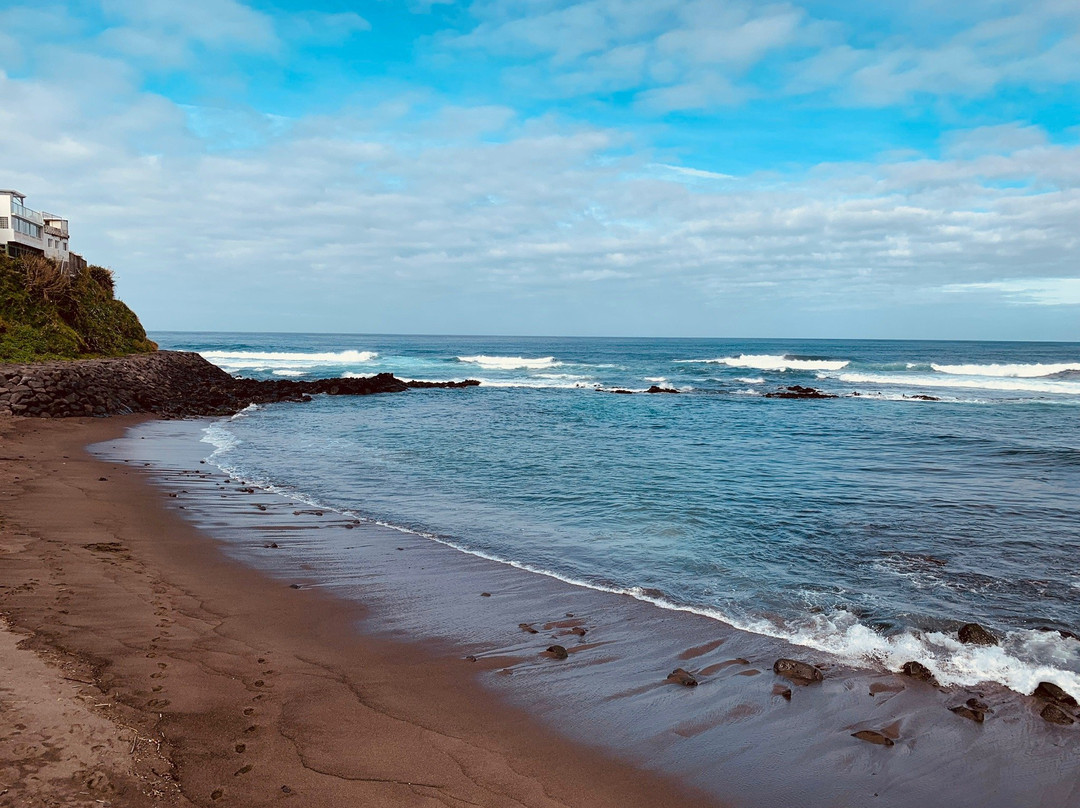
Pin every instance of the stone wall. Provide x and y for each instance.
(166, 383)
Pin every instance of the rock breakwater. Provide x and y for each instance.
(168, 383)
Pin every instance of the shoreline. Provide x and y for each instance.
(411, 626)
(168, 637)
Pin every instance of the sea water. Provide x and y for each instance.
(941, 486)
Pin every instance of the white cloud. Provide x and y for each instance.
(1035, 291)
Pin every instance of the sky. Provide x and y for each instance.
(608, 167)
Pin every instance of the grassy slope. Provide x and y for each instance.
(80, 321)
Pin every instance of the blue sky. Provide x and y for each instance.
(632, 167)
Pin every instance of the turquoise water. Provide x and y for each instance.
(868, 525)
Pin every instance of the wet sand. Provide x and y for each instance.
(141, 666)
(398, 671)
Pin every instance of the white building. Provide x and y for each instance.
(23, 230)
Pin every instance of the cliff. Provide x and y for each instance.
(47, 315)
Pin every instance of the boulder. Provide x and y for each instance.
(1048, 691)
(682, 677)
(801, 673)
(916, 670)
(1055, 715)
(974, 634)
(964, 711)
(557, 652)
(798, 391)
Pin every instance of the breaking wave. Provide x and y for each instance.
(773, 362)
(1003, 383)
(1032, 371)
(510, 362)
(264, 359)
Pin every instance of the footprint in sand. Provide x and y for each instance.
(240, 747)
(157, 703)
(242, 770)
(249, 711)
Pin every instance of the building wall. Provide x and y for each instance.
(23, 229)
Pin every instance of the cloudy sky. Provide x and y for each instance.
(624, 167)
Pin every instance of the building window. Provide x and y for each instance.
(27, 228)
(3, 222)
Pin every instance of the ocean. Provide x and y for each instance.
(940, 487)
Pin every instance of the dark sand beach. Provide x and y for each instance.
(142, 667)
(216, 652)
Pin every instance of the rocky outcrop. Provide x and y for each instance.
(682, 677)
(168, 383)
(1048, 691)
(801, 673)
(974, 634)
(798, 391)
(916, 670)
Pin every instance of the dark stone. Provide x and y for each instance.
(578, 630)
(798, 391)
(655, 389)
(295, 586)
(527, 628)
(923, 397)
(783, 692)
(801, 673)
(485, 594)
(682, 677)
(558, 652)
(916, 670)
(872, 736)
(170, 384)
(967, 712)
(1055, 715)
(974, 634)
(1048, 691)
(470, 658)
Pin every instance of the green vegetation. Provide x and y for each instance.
(47, 315)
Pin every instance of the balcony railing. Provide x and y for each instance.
(26, 213)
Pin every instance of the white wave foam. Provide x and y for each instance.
(510, 362)
(256, 360)
(289, 373)
(575, 383)
(967, 383)
(655, 379)
(1032, 371)
(1023, 659)
(772, 362)
(746, 380)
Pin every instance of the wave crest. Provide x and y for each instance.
(1031, 371)
(773, 362)
(510, 362)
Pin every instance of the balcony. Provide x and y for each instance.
(56, 225)
(26, 213)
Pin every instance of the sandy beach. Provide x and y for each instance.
(139, 666)
(172, 636)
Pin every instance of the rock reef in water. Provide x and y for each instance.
(974, 634)
(168, 383)
(798, 391)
